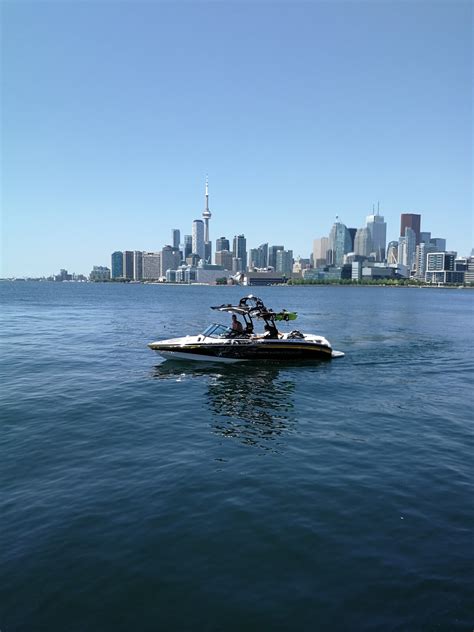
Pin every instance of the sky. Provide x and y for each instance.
(113, 112)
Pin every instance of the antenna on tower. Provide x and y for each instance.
(378, 208)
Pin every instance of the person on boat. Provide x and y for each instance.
(271, 330)
(236, 325)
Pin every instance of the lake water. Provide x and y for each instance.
(138, 494)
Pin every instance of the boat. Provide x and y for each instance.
(219, 343)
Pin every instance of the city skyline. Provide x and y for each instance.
(300, 114)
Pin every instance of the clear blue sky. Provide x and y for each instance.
(113, 113)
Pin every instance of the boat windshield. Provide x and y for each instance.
(216, 331)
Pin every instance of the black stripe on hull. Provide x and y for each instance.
(252, 352)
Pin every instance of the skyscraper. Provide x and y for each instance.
(378, 233)
(222, 244)
(117, 264)
(207, 216)
(240, 251)
(170, 259)
(198, 238)
(284, 262)
(406, 248)
(128, 264)
(413, 221)
(176, 238)
(339, 243)
(363, 242)
(272, 255)
(187, 246)
(137, 265)
(320, 252)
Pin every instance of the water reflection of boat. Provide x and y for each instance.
(219, 343)
(254, 405)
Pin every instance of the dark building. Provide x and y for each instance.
(222, 244)
(117, 264)
(188, 245)
(352, 233)
(128, 264)
(413, 221)
(176, 238)
(240, 250)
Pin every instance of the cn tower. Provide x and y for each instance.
(206, 214)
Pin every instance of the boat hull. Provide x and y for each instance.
(243, 350)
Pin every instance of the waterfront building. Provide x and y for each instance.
(151, 262)
(198, 238)
(363, 245)
(272, 250)
(469, 273)
(339, 243)
(100, 273)
(262, 256)
(413, 221)
(378, 270)
(284, 262)
(175, 238)
(224, 259)
(262, 278)
(128, 264)
(240, 251)
(170, 259)
(440, 268)
(117, 264)
(378, 233)
(137, 265)
(222, 244)
(170, 276)
(320, 252)
(208, 273)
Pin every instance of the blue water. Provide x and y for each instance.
(138, 494)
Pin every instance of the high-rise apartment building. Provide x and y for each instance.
(240, 251)
(137, 265)
(128, 264)
(413, 221)
(151, 266)
(378, 233)
(284, 262)
(117, 264)
(198, 238)
(339, 243)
